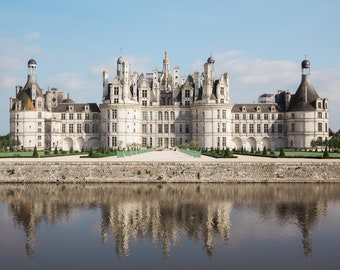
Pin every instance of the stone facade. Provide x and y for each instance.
(164, 109)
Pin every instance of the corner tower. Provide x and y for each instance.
(307, 113)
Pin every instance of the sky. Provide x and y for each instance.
(259, 43)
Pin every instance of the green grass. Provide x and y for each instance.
(304, 154)
(23, 154)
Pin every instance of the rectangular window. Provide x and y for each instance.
(114, 141)
(265, 128)
(114, 127)
(144, 93)
(218, 127)
(166, 116)
(143, 128)
(70, 128)
(218, 141)
(172, 142)
(116, 91)
(258, 128)
(160, 142)
(279, 128)
(87, 116)
(63, 128)
(244, 128)
(237, 128)
(218, 114)
(150, 140)
(273, 128)
(160, 128)
(258, 116)
(187, 93)
(78, 116)
(237, 116)
(180, 129)
(144, 115)
(39, 115)
(150, 118)
(265, 116)
(251, 116)
(224, 141)
(222, 91)
(95, 128)
(293, 127)
(224, 129)
(144, 102)
(320, 127)
(224, 114)
(87, 128)
(251, 128)
(70, 116)
(150, 128)
(114, 114)
(244, 116)
(166, 128)
(143, 141)
(172, 128)
(115, 100)
(78, 128)
(95, 116)
(160, 116)
(280, 116)
(187, 129)
(319, 114)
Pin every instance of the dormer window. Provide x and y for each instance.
(258, 108)
(244, 109)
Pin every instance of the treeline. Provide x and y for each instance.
(332, 143)
(7, 144)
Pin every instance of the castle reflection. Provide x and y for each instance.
(167, 213)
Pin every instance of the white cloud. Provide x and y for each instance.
(32, 36)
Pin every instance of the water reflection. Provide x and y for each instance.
(168, 213)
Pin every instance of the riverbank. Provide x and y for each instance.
(167, 166)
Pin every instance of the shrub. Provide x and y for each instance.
(71, 150)
(91, 152)
(325, 153)
(55, 151)
(282, 153)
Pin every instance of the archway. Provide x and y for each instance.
(236, 143)
(67, 144)
(266, 143)
(80, 144)
(93, 142)
(251, 143)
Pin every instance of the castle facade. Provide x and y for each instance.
(163, 109)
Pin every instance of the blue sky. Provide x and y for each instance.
(259, 43)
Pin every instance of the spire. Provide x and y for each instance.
(166, 63)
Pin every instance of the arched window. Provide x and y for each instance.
(160, 116)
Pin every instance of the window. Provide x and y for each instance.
(280, 117)
(180, 129)
(265, 128)
(258, 128)
(293, 115)
(166, 115)
(70, 128)
(78, 128)
(150, 118)
(115, 100)
(150, 128)
(237, 128)
(187, 93)
(224, 114)
(39, 124)
(273, 116)
(251, 128)
(144, 102)
(144, 93)
(160, 116)
(172, 128)
(224, 127)
(319, 105)
(95, 116)
(87, 116)
(143, 128)
(326, 127)
(258, 116)
(279, 128)
(78, 116)
(39, 104)
(244, 116)
(320, 127)
(244, 128)
(251, 116)
(114, 114)
(222, 91)
(166, 128)
(95, 128)
(273, 128)
(172, 115)
(87, 128)
(160, 142)
(114, 127)
(114, 141)
(218, 114)
(70, 116)
(187, 103)
(265, 116)
(237, 116)
(160, 128)
(150, 141)
(218, 141)
(292, 127)
(319, 114)
(224, 141)
(39, 115)
(172, 142)
(218, 127)
(116, 91)
(143, 115)
(144, 141)
(63, 128)
(39, 137)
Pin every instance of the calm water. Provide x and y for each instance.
(207, 226)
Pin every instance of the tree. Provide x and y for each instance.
(264, 152)
(35, 152)
(325, 153)
(91, 152)
(55, 150)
